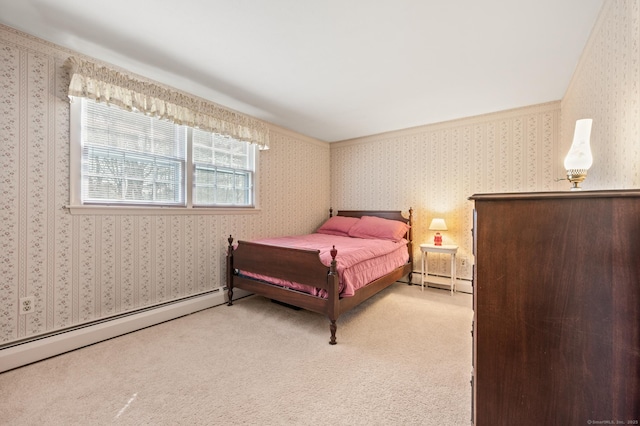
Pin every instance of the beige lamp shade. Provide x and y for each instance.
(438, 224)
(579, 156)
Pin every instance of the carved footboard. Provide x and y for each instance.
(290, 264)
(305, 267)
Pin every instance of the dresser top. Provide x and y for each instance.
(618, 193)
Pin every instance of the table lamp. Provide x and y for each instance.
(437, 224)
(579, 158)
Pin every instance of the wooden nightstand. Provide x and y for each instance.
(431, 248)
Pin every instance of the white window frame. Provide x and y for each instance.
(76, 205)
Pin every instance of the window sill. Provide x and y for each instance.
(151, 211)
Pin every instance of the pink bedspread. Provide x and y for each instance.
(359, 260)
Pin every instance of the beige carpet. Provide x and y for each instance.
(402, 358)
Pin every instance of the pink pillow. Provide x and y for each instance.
(338, 225)
(379, 228)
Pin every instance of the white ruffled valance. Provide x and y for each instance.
(93, 81)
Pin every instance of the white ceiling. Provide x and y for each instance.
(332, 69)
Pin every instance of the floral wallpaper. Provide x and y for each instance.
(606, 88)
(435, 168)
(85, 267)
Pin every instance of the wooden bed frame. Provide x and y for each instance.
(304, 266)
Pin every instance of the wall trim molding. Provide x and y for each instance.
(462, 285)
(450, 124)
(285, 132)
(38, 348)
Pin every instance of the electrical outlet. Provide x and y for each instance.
(463, 262)
(26, 305)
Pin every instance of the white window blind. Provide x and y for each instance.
(223, 170)
(131, 158)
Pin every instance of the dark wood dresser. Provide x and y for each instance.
(556, 335)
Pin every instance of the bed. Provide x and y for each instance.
(298, 277)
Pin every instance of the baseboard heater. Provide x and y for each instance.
(463, 285)
(38, 347)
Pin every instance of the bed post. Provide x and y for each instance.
(333, 297)
(230, 271)
(410, 235)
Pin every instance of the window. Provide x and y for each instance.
(128, 158)
(222, 170)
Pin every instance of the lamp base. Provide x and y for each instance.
(437, 239)
(576, 177)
